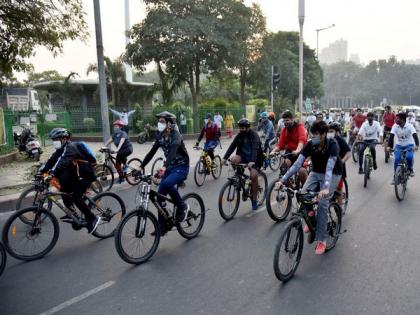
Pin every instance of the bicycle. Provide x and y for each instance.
(236, 183)
(139, 225)
(290, 243)
(205, 166)
(367, 162)
(271, 160)
(401, 176)
(105, 173)
(32, 224)
(387, 153)
(3, 258)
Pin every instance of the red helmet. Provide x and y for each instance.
(272, 115)
(119, 123)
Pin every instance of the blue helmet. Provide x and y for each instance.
(264, 115)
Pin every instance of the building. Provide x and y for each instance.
(334, 53)
(355, 58)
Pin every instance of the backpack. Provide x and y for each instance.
(86, 151)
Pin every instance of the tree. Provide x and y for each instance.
(28, 24)
(48, 75)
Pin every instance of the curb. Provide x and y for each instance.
(10, 157)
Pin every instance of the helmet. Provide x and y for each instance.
(335, 125)
(287, 114)
(264, 115)
(272, 115)
(169, 117)
(59, 133)
(118, 123)
(244, 122)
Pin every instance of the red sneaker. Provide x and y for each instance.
(320, 248)
(306, 229)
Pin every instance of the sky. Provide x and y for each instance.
(374, 29)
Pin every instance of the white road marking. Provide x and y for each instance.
(79, 298)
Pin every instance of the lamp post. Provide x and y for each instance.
(317, 35)
(301, 21)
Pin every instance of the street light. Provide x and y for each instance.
(301, 21)
(317, 35)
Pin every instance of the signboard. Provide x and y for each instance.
(250, 112)
(308, 105)
(25, 121)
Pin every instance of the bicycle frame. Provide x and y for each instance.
(239, 179)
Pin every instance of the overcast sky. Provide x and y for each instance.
(374, 29)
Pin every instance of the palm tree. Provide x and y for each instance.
(67, 89)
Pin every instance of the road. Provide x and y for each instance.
(228, 269)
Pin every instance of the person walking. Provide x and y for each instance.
(183, 122)
(229, 120)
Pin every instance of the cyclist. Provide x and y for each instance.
(176, 167)
(124, 147)
(211, 130)
(334, 132)
(310, 119)
(319, 116)
(292, 139)
(248, 146)
(268, 129)
(69, 164)
(325, 176)
(370, 132)
(388, 119)
(327, 118)
(407, 139)
(411, 119)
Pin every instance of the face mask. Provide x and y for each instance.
(316, 140)
(370, 120)
(116, 129)
(161, 126)
(57, 144)
(331, 135)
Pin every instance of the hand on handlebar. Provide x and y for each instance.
(323, 193)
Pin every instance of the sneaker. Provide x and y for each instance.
(411, 173)
(361, 170)
(93, 225)
(254, 205)
(320, 248)
(121, 180)
(375, 167)
(125, 169)
(306, 229)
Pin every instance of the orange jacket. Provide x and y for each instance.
(289, 139)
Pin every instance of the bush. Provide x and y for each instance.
(146, 120)
(6, 149)
(260, 103)
(88, 122)
(219, 103)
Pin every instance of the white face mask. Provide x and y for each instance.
(330, 135)
(161, 126)
(57, 144)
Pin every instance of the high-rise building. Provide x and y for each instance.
(355, 58)
(335, 52)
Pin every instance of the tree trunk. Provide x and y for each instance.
(242, 82)
(193, 97)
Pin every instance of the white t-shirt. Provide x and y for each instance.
(218, 119)
(280, 123)
(371, 132)
(328, 120)
(404, 135)
(311, 119)
(183, 119)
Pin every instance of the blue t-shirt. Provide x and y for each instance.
(116, 138)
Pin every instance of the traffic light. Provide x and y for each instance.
(275, 78)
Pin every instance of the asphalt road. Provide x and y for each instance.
(374, 268)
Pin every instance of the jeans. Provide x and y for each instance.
(209, 147)
(363, 146)
(410, 155)
(313, 183)
(170, 179)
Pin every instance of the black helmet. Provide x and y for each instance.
(169, 117)
(57, 133)
(335, 125)
(287, 114)
(244, 122)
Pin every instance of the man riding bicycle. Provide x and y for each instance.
(369, 133)
(357, 121)
(407, 139)
(70, 165)
(176, 167)
(327, 171)
(388, 119)
(247, 145)
(292, 139)
(268, 129)
(211, 130)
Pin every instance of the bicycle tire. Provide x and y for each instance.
(44, 214)
(282, 213)
(399, 181)
(346, 199)
(262, 191)
(355, 152)
(109, 215)
(297, 248)
(105, 176)
(229, 187)
(365, 172)
(19, 202)
(217, 171)
(333, 225)
(119, 236)
(157, 165)
(200, 168)
(134, 165)
(193, 214)
(274, 163)
(3, 258)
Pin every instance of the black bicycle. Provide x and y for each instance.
(367, 162)
(3, 258)
(105, 173)
(401, 176)
(230, 194)
(288, 251)
(137, 236)
(32, 232)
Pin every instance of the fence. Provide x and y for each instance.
(7, 143)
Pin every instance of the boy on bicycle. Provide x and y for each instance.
(124, 147)
(211, 130)
(370, 132)
(268, 129)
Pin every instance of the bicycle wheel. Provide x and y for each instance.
(3, 258)
(137, 237)
(134, 166)
(217, 167)
(387, 154)
(95, 187)
(229, 199)
(111, 208)
(345, 197)
(105, 176)
(157, 165)
(278, 203)
(33, 240)
(30, 198)
(400, 183)
(288, 251)
(192, 225)
(365, 172)
(333, 225)
(275, 163)
(355, 152)
(200, 173)
(262, 188)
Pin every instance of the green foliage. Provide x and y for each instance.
(6, 149)
(219, 103)
(146, 120)
(88, 122)
(28, 24)
(258, 102)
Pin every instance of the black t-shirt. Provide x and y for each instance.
(344, 148)
(320, 158)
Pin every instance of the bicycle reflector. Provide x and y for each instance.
(14, 230)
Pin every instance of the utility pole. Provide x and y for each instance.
(301, 21)
(101, 71)
(317, 36)
(272, 88)
(128, 70)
